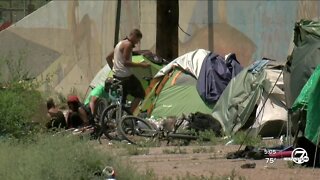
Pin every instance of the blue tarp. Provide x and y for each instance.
(215, 74)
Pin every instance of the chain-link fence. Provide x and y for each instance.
(12, 11)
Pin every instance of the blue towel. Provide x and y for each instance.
(257, 66)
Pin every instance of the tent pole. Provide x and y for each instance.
(288, 127)
(316, 151)
(263, 105)
(210, 26)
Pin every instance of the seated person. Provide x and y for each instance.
(77, 116)
(57, 119)
(100, 91)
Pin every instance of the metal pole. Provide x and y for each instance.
(10, 5)
(210, 26)
(24, 8)
(289, 111)
(117, 29)
(288, 127)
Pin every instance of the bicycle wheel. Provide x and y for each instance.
(109, 121)
(136, 130)
(101, 104)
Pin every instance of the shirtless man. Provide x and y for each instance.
(120, 61)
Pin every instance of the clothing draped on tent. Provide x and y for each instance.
(215, 74)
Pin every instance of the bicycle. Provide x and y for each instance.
(137, 131)
(113, 112)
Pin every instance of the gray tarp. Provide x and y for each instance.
(238, 100)
(235, 109)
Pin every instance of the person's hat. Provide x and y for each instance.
(73, 99)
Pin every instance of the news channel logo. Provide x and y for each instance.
(298, 156)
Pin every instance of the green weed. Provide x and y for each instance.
(290, 164)
(203, 150)
(18, 106)
(231, 176)
(135, 150)
(241, 137)
(176, 150)
(60, 157)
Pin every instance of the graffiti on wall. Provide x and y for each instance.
(70, 39)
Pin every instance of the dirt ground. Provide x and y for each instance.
(212, 163)
(209, 162)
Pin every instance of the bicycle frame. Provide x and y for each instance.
(118, 99)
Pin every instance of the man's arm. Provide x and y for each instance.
(84, 116)
(48, 124)
(127, 50)
(109, 59)
(92, 103)
(48, 115)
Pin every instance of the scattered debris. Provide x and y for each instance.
(109, 173)
(248, 165)
(269, 167)
(231, 142)
(249, 152)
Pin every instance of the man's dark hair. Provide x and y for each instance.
(50, 103)
(136, 32)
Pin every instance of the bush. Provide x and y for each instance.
(59, 157)
(19, 103)
(19, 99)
(241, 137)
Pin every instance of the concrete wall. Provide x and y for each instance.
(69, 39)
(251, 29)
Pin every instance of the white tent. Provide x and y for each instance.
(101, 76)
(191, 62)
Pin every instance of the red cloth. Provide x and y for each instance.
(5, 25)
(281, 154)
(73, 99)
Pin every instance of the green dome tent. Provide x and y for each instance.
(173, 90)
